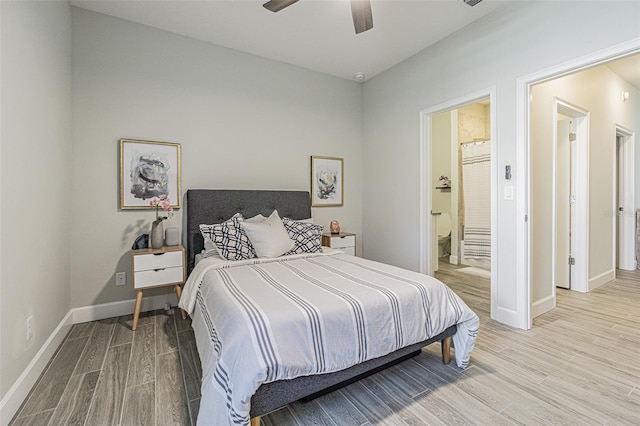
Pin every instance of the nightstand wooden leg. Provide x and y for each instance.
(136, 312)
(179, 294)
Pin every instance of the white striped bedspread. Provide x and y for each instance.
(263, 320)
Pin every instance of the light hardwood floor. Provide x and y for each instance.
(579, 364)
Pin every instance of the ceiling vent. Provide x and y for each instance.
(471, 2)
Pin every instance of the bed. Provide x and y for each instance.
(304, 286)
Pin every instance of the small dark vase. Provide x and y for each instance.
(157, 234)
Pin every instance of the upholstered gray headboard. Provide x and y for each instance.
(217, 205)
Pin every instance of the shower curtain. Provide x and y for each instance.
(476, 183)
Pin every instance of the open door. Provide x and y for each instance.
(571, 203)
(565, 199)
(624, 202)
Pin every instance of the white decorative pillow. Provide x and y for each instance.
(256, 218)
(307, 237)
(229, 239)
(268, 237)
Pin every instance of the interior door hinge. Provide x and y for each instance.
(572, 260)
(572, 137)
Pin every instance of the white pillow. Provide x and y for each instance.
(269, 238)
(256, 218)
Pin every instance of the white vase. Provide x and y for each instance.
(157, 234)
(171, 236)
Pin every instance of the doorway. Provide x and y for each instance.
(603, 196)
(461, 202)
(470, 119)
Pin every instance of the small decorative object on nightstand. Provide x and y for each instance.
(157, 232)
(343, 241)
(171, 236)
(334, 226)
(157, 268)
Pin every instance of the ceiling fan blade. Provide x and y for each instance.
(278, 5)
(362, 17)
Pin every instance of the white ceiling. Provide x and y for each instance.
(314, 34)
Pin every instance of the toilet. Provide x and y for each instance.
(444, 234)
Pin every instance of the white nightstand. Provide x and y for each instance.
(157, 268)
(343, 241)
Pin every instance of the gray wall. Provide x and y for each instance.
(35, 178)
(515, 41)
(242, 122)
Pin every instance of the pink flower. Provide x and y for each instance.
(164, 203)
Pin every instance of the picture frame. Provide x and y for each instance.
(149, 169)
(327, 181)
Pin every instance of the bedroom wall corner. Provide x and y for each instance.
(243, 122)
(35, 181)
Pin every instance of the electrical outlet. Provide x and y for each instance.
(121, 278)
(30, 327)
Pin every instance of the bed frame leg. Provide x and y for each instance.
(446, 351)
(255, 421)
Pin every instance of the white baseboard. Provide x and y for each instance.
(16, 395)
(453, 260)
(123, 307)
(541, 306)
(601, 279)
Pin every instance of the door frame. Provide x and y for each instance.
(427, 225)
(522, 315)
(626, 260)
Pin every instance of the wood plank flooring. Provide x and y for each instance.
(579, 364)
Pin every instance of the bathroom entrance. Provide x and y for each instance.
(461, 182)
(458, 189)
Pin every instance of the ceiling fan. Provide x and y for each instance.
(360, 10)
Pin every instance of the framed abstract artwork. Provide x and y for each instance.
(149, 169)
(327, 181)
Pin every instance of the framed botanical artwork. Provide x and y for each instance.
(327, 181)
(149, 169)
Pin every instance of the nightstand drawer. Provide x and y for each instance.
(348, 250)
(342, 242)
(145, 262)
(157, 277)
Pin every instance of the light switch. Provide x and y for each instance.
(508, 192)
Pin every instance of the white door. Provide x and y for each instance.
(571, 203)
(564, 202)
(624, 202)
